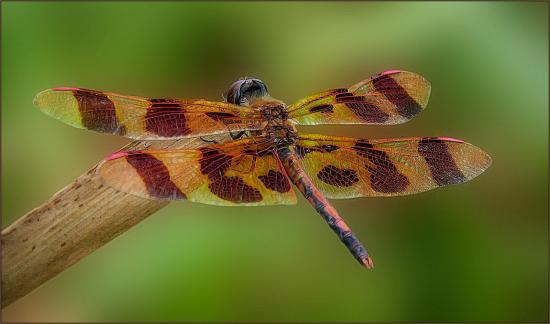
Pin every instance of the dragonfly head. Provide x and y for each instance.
(245, 91)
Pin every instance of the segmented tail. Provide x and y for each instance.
(323, 207)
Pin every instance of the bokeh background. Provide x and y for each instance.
(475, 252)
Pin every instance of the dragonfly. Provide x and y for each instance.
(266, 154)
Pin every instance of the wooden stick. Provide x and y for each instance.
(73, 223)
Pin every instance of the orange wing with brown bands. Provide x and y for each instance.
(348, 167)
(237, 173)
(142, 118)
(388, 98)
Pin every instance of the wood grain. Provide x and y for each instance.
(73, 223)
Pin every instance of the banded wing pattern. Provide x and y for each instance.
(142, 118)
(387, 98)
(241, 172)
(347, 167)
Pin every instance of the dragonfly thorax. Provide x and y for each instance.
(274, 111)
(278, 130)
(281, 135)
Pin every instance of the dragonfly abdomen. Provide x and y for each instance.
(306, 186)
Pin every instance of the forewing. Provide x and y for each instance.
(142, 118)
(347, 167)
(237, 173)
(391, 97)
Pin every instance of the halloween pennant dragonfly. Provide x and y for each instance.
(267, 154)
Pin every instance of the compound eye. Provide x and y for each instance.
(243, 92)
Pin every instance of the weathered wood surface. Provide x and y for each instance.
(73, 223)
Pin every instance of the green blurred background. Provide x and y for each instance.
(475, 252)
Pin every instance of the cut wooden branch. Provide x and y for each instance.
(73, 223)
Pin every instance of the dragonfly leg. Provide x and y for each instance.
(208, 140)
(237, 135)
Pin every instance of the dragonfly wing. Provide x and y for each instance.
(142, 118)
(388, 98)
(348, 167)
(237, 173)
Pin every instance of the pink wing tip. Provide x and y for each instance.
(116, 155)
(390, 72)
(65, 89)
(450, 139)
